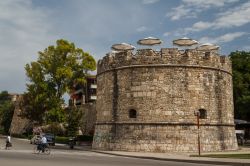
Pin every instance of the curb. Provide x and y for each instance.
(178, 160)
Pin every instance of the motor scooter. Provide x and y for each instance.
(72, 142)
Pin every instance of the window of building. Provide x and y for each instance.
(132, 113)
(203, 113)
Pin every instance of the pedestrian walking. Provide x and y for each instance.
(8, 142)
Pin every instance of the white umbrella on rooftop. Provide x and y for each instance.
(184, 42)
(149, 41)
(122, 47)
(207, 47)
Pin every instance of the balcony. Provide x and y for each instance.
(93, 97)
(93, 86)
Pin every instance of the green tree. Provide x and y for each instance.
(4, 96)
(56, 71)
(6, 111)
(73, 121)
(241, 83)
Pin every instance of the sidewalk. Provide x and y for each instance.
(177, 157)
(183, 157)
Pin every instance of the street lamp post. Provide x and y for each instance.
(197, 114)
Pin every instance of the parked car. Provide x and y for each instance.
(50, 138)
(35, 139)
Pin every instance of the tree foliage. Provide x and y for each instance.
(241, 83)
(56, 71)
(4, 96)
(73, 121)
(6, 111)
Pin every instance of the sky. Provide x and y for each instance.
(29, 26)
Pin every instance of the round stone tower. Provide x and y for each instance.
(150, 101)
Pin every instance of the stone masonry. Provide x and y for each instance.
(19, 124)
(89, 118)
(146, 101)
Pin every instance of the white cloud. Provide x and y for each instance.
(102, 24)
(201, 26)
(222, 39)
(26, 28)
(190, 8)
(231, 36)
(24, 31)
(235, 17)
(205, 4)
(142, 29)
(246, 48)
(238, 16)
(179, 12)
(166, 34)
(149, 1)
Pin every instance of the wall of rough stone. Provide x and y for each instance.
(89, 118)
(19, 124)
(163, 138)
(165, 88)
(167, 56)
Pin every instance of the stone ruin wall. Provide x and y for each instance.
(19, 124)
(89, 118)
(165, 88)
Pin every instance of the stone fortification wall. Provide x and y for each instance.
(19, 124)
(89, 118)
(167, 56)
(164, 89)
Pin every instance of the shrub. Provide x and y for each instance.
(84, 138)
(62, 140)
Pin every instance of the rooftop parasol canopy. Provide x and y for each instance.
(149, 41)
(122, 47)
(184, 42)
(207, 47)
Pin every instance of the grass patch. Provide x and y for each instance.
(235, 156)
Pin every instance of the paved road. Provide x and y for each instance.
(18, 144)
(22, 155)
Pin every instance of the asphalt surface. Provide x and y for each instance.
(9, 158)
(21, 154)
